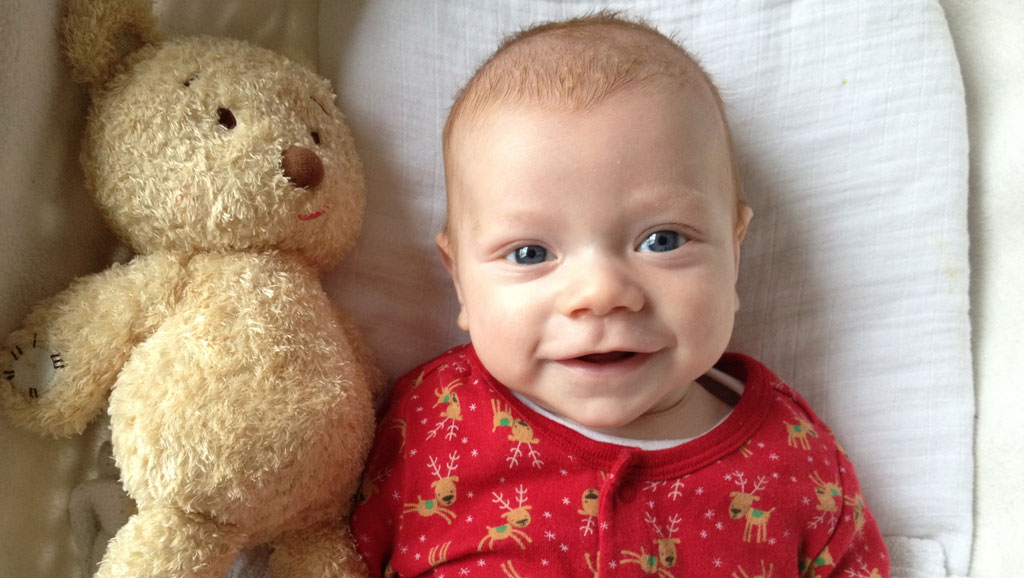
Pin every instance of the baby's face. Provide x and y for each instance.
(595, 253)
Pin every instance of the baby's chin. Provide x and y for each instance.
(620, 430)
(613, 417)
(608, 418)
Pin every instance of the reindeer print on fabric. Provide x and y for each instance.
(810, 566)
(515, 495)
(765, 573)
(863, 572)
(664, 554)
(521, 434)
(439, 554)
(444, 492)
(510, 571)
(589, 509)
(829, 493)
(451, 415)
(798, 433)
(516, 519)
(741, 506)
(857, 502)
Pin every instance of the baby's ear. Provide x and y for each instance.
(743, 217)
(99, 35)
(447, 251)
(444, 247)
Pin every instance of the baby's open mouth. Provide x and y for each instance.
(610, 357)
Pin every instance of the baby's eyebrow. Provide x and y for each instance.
(658, 195)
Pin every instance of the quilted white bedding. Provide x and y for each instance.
(852, 123)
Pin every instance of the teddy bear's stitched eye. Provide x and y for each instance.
(190, 80)
(226, 118)
(316, 137)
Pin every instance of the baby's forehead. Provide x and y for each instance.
(692, 101)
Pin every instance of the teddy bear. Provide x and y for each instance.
(240, 399)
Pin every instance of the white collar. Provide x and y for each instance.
(713, 374)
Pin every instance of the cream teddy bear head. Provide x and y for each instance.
(211, 144)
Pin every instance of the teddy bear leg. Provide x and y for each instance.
(327, 550)
(162, 542)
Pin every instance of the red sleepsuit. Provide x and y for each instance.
(466, 481)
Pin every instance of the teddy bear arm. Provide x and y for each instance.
(59, 367)
(159, 542)
(327, 550)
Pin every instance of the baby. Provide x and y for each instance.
(594, 426)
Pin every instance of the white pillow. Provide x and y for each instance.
(850, 128)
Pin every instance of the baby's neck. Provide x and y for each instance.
(697, 412)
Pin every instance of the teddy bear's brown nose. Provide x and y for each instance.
(302, 167)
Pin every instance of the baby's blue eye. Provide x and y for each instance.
(528, 255)
(660, 242)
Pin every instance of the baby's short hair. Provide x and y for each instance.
(577, 64)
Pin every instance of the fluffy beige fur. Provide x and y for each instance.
(240, 399)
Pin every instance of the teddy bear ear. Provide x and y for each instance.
(100, 34)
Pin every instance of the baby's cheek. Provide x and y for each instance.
(506, 358)
(705, 309)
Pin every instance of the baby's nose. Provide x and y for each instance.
(600, 288)
(302, 167)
